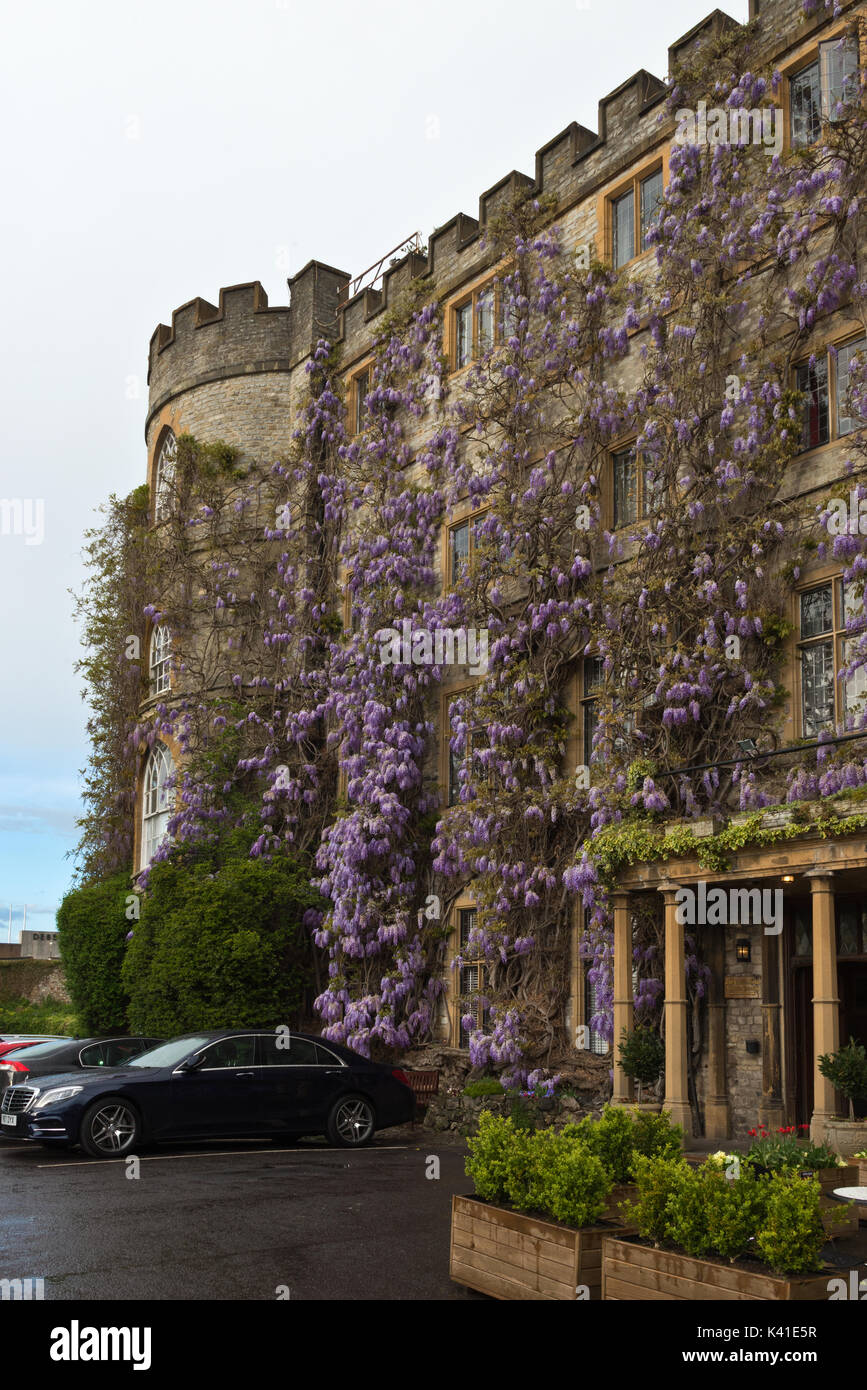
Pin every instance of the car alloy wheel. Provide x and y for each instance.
(351, 1122)
(109, 1129)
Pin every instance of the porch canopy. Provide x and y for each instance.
(810, 867)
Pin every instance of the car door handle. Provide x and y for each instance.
(246, 1074)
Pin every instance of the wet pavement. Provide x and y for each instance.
(247, 1221)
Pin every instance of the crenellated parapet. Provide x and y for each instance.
(243, 335)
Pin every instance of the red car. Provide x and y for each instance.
(10, 1046)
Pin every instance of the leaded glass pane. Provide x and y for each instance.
(651, 197)
(812, 381)
(464, 334)
(460, 550)
(803, 932)
(623, 213)
(848, 930)
(817, 687)
(805, 95)
(625, 488)
(817, 612)
(845, 422)
(485, 319)
(838, 59)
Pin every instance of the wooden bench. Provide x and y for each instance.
(425, 1085)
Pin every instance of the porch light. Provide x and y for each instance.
(743, 949)
(788, 878)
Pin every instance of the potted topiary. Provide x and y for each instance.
(847, 1072)
(700, 1235)
(642, 1057)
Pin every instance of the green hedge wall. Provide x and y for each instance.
(92, 928)
(220, 946)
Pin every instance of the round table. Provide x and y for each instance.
(851, 1194)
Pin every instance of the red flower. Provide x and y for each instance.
(751, 1133)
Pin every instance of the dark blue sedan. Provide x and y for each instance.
(231, 1084)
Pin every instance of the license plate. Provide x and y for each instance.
(9, 1119)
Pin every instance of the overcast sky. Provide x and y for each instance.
(156, 151)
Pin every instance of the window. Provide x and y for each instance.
(164, 478)
(846, 423)
(818, 91)
(812, 380)
(631, 215)
(362, 385)
(824, 650)
(473, 978)
(824, 384)
(485, 319)
(158, 802)
(595, 1041)
(463, 538)
(637, 493)
(475, 740)
(161, 659)
(593, 677)
(229, 1053)
(284, 1050)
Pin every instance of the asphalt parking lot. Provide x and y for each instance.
(232, 1221)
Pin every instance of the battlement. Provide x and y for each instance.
(244, 335)
(568, 167)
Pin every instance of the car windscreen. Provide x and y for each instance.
(168, 1054)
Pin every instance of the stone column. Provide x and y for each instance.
(676, 1084)
(624, 1087)
(826, 1003)
(771, 1105)
(717, 1110)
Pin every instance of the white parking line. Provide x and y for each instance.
(239, 1153)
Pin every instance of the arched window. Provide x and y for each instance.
(161, 659)
(164, 475)
(158, 802)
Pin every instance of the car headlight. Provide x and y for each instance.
(52, 1097)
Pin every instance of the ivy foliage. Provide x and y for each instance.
(221, 943)
(92, 926)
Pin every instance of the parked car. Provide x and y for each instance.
(68, 1054)
(33, 1037)
(9, 1046)
(234, 1083)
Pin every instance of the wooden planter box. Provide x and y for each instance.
(634, 1273)
(621, 1192)
(829, 1178)
(508, 1255)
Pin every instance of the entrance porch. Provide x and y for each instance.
(779, 994)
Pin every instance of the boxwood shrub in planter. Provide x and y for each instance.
(543, 1202)
(619, 1137)
(756, 1236)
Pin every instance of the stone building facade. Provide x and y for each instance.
(237, 372)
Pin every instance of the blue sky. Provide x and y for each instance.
(156, 151)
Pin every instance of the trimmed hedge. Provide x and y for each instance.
(92, 927)
(220, 946)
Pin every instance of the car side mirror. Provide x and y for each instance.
(194, 1062)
